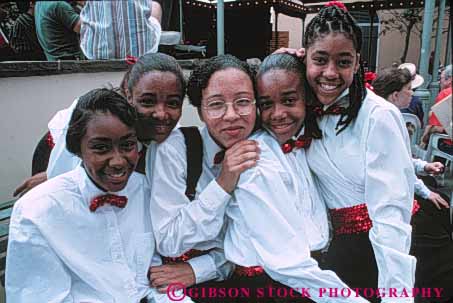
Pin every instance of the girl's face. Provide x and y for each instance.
(109, 151)
(158, 100)
(331, 62)
(234, 89)
(280, 99)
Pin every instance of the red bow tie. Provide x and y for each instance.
(333, 110)
(218, 158)
(118, 201)
(300, 142)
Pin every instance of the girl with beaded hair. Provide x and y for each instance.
(360, 157)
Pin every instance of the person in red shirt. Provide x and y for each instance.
(434, 125)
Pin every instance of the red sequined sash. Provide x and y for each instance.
(185, 257)
(355, 219)
(251, 271)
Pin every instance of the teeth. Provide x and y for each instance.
(161, 127)
(118, 175)
(328, 87)
(280, 126)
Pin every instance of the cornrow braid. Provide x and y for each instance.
(332, 19)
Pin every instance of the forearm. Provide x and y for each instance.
(190, 222)
(389, 193)
(391, 238)
(419, 165)
(421, 189)
(204, 268)
(156, 10)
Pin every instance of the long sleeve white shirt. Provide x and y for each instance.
(369, 162)
(419, 187)
(59, 251)
(180, 224)
(276, 218)
(419, 165)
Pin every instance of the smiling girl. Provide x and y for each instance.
(361, 160)
(277, 223)
(155, 88)
(190, 231)
(85, 236)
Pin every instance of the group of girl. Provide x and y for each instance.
(277, 153)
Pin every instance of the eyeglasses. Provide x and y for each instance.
(218, 108)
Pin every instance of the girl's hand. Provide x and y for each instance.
(300, 53)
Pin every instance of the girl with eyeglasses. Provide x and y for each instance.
(190, 229)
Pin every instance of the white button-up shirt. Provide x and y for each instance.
(419, 187)
(180, 224)
(369, 162)
(276, 218)
(60, 251)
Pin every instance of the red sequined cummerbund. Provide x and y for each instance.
(355, 219)
(193, 253)
(251, 271)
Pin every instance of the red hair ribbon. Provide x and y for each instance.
(338, 4)
(131, 60)
(370, 76)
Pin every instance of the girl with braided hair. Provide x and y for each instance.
(360, 157)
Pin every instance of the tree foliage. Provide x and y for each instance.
(406, 22)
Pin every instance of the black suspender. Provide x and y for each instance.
(194, 152)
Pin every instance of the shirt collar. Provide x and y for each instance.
(89, 190)
(301, 132)
(148, 143)
(342, 100)
(211, 148)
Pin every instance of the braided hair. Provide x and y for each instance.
(335, 19)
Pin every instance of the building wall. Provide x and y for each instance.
(392, 44)
(293, 26)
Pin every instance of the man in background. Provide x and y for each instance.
(23, 39)
(116, 29)
(57, 27)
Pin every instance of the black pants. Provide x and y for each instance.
(262, 289)
(351, 257)
(433, 247)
